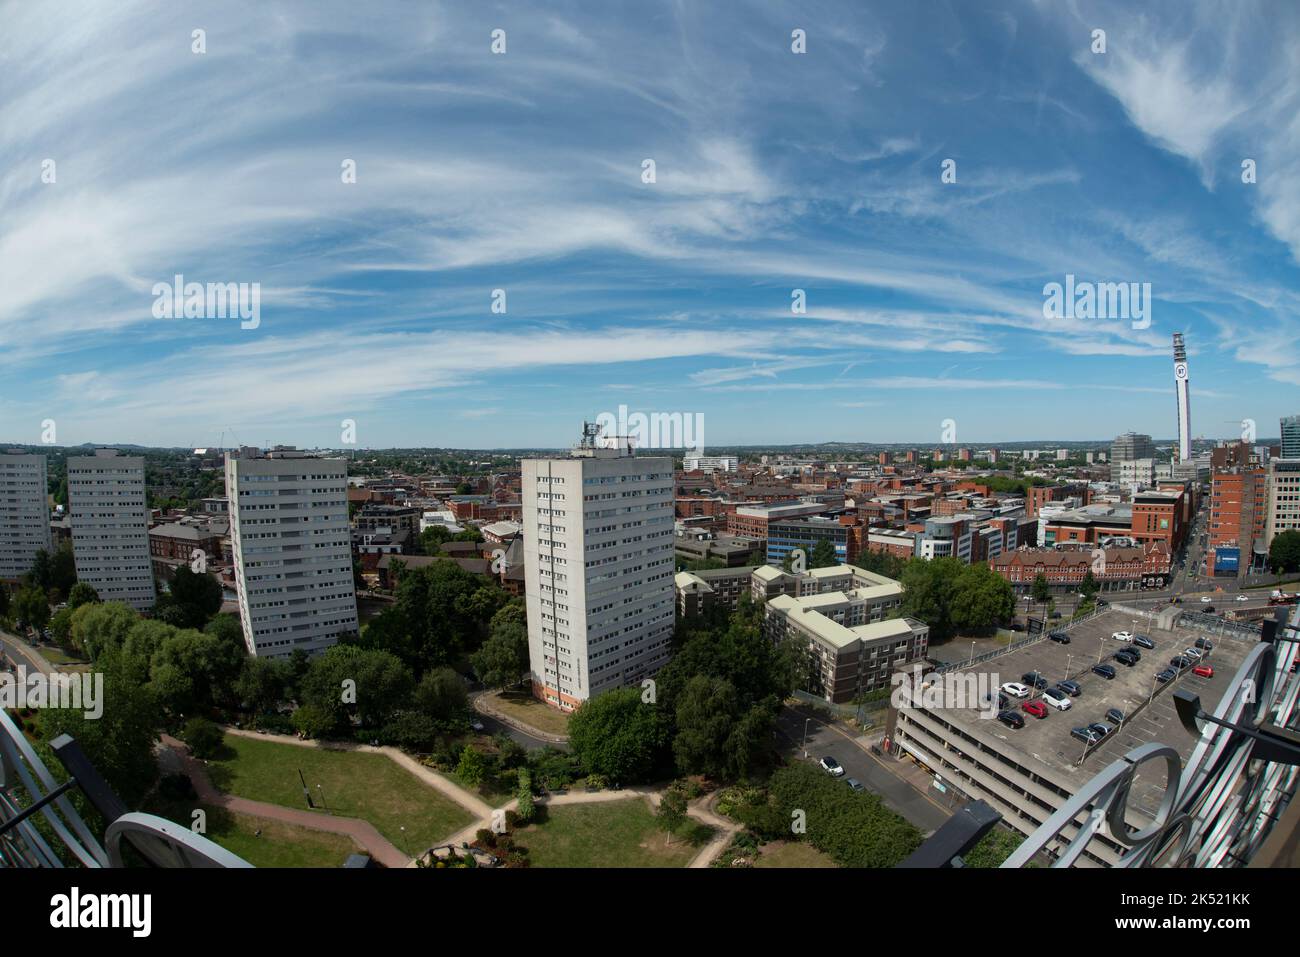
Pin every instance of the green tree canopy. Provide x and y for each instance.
(618, 735)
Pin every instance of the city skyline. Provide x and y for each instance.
(524, 171)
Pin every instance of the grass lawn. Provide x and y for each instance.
(352, 784)
(792, 854)
(279, 844)
(526, 708)
(57, 656)
(619, 833)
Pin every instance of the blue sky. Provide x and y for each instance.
(523, 171)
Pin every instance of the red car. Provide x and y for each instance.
(1205, 671)
(1036, 708)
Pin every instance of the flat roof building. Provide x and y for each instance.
(110, 526)
(24, 514)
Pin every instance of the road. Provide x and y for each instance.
(19, 653)
(825, 739)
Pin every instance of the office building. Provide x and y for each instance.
(1283, 499)
(110, 526)
(1126, 448)
(710, 463)
(1238, 515)
(1290, 437)
(24, 514)
(291, 549)
(598, 567)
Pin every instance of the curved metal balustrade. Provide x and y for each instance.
(1218, 809)
(30, 797)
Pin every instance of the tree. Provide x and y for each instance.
(672, 812)
(1040, 591)
(32, 607)
(262, 683)
(4, 600)
(119, 742)
(81, 594)
(61, 626)
(98, 627)
(1089, 587)
(617, 735)
(379, 682)
(502, 662)
(1284, 552)
(524, 805)
(192, 671)
(203, 736)
(441, 695)
(823, 555)
(472, 768)
(192, 598)
(227, 628)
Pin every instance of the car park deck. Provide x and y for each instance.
(1147, 705)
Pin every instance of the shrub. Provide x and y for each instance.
(485, 837)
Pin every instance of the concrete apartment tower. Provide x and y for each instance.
(292, 549)
(110, 526)
(24, 513)
(598, 566)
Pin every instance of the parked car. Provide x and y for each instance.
(1203, 671)
(1036, 708)
(1115, 715)
(1102, 728)
(476, 724)
(1072, 688)
(1060, 637)
(1011, 719)
(1085, 734)
(854, 784)
(1057, 699)
(1123, 636)
(1205, 599)
(1179, 662)
(1167, 675)
(1192, 653)
(1106, 671)
(1015, 690)
(1205, 644)
(832, 767)
(1034, 679)
(1142, 641)
(1127, 661)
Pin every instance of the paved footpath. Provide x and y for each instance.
(362, 832)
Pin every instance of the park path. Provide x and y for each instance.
(701, 809)
(466, 799)
(362, 832)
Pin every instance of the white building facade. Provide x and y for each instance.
(598, 564)
(24, 514)
(292, 550)
(110, 526)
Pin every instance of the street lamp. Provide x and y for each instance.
(972, 654)
(805, 736)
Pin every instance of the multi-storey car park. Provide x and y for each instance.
(1028, 773)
